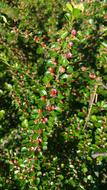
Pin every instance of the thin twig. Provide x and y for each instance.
(92, 99)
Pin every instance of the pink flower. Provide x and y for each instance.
(53, 92)
(83, 68)
(43, 98)
(43, 44)
(50, 108)
(59, 40)
(92, 76)
(51, 70)
(44, 120)
(62, 69)
(54, 62)
(68, 55)
(74, 32)
(36, 39)
(39, 140)
(40, 111)
(70, 44)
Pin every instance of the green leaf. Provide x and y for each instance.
(69, 69)
(69, 7)
(2, 113)
(89, 177)
(39, 173)
(25, 123)
(4, 19)
(8, 86)
(1, 92)
(61, 177)
(63, 61)
(64, 35)
(104, 44)
(37, 181)
(84, 169)
(39, 50)
(47, 78)
(23, 149)
(67, 16)
(76, 13)
(93, 118)
(43, 93)
(45, 147)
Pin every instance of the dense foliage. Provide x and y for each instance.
(53, 95)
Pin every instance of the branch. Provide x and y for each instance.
(97, 154)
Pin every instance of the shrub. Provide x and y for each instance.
(54, 74)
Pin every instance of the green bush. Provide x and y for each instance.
(53, 91)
